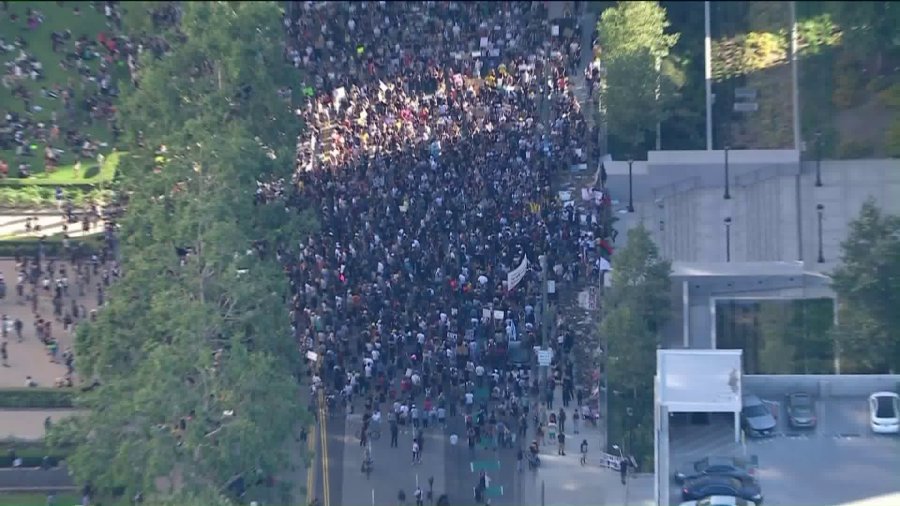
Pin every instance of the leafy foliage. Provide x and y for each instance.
(637, 307)
(746, 53)
(193, 351)
(634, 43)
(868, 288)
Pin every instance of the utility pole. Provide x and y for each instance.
(545, 322)
(708, 71)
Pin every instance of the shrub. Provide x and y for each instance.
(45, 398)
(53, 246)
(32, 453)
(855, 149)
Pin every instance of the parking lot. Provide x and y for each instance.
(837, 463)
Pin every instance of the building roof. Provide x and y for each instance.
(699, 380)
(739, 269)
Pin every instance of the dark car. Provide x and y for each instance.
(756, 417)
(801, 410)
(718, 466)
(706, 486)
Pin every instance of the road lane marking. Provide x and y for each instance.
(311, 467)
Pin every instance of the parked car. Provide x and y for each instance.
(756, 417)
(884, 412)
(719, 466)
(801, 410)
(707, 486)
(719, 500)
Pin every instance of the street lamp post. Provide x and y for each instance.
(727, 192)
(820, 208)
(630, 191)
(818, 158)
(728, 239)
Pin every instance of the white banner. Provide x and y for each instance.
(516, 275)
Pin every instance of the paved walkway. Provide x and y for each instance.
(29, 423)
(30, 358)
(13, 225)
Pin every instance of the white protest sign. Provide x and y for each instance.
(515, 276)
(545, 357)
(485, 313)
(554, 30)
(499, 315)
(484, 42)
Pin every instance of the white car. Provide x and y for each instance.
(884, 412)
(719, 500)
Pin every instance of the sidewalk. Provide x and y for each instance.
(566, 481)
(29, 423)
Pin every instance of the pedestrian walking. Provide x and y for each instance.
(395, 431)
(562, 420)
(561, 440)
(584, 450)
(3, 354)
(623, 469)
(416, 457)
(401, 498)
(520, 455)
(418, 495)
(575, 420)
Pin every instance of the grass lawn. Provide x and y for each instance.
(90, 173)
(38, 499)
(58, 17)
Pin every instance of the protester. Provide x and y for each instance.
(433, 132)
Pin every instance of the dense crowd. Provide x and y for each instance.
(433, 132)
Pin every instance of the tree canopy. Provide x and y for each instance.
(868, 289)
(194, 352)
(636, 309)
(634, 44)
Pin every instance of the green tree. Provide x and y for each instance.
(867, 284)
(194, 353)
(634, 44)
(637, 307)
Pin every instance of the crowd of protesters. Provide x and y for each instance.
(433, 132)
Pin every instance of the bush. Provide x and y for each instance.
(53, 246)
(31, 453)
(25, 397)
(855, 149)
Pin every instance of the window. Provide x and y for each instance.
(755, 410)
(886, 407)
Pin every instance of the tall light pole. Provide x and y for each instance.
(707, 52)
(630, 190)
(820, 208)
(728, 239)
(818, 158)
(727, 190)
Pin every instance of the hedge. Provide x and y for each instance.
(37, 397)
(53, 246)
(31, 453)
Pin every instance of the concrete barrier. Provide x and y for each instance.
(821, 385)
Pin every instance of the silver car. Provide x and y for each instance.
(756, 417)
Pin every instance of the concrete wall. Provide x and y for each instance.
(848, 385)
(773, 208)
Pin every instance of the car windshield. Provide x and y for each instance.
(756, 410)
(720, 501)
(801, 401)
(886, 407)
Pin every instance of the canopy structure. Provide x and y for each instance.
(692, 381)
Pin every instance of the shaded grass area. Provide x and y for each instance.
(59, 17)
(38, 499)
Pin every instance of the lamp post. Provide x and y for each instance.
(630, 192)
(820, 208)
(727, 192)
(818, 158)
(728, 239)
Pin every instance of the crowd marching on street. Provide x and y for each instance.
(433, 132)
